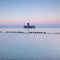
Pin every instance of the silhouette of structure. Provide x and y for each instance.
(29, 26)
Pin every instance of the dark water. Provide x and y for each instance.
(26, 46)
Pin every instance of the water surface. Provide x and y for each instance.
(21, 46)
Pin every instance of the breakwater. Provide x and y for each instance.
(30, 32)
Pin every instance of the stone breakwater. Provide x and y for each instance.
(29, 32)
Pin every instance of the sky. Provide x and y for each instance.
(15, 12)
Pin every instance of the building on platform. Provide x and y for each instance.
(29, 26)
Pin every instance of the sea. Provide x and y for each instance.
(30, 44)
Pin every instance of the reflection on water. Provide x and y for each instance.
(29, 46)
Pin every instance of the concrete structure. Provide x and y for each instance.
(29, 26)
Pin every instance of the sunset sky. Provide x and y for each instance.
(34, 11)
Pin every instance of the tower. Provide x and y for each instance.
(28, 24)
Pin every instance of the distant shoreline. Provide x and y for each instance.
(37, 26)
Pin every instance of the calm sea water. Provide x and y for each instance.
(26, 46)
